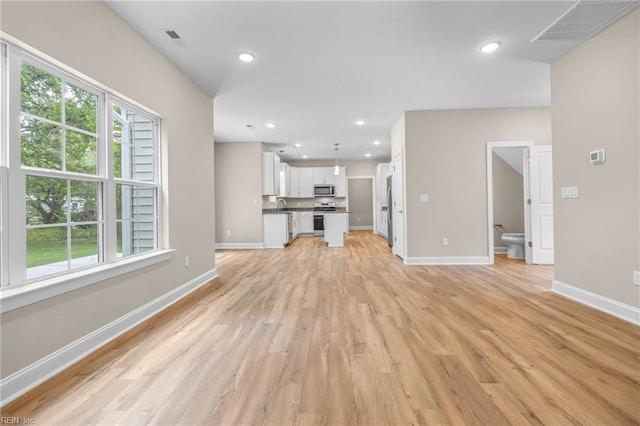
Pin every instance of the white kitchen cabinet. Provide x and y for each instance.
(323, 176)
(341, 181)
(295, 217)
(334, 229)
(305, 182)
(346, 223)
(306, 222)
(294, 182)
(275, 232)
(270, 173)
(285, 180)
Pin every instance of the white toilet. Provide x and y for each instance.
(515, 244)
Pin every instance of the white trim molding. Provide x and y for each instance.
(16, 297)
(359, 228)
(20, 382)
(500, 250)
(612, 307)
(239, 246)
(447, 260)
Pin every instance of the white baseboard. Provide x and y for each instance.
(358, 228)
(446, 260)
(239, 246)
(601, 303)
(500, 250)
(18, 383)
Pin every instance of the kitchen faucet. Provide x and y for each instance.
(278, 204)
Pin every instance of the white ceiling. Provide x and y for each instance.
(320, 66)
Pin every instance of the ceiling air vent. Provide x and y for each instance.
(585, 19)
(172, 34)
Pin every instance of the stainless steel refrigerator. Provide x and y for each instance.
(389, 211)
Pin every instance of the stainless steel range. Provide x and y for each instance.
(318, 216)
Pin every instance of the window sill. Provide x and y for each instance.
(16, 297)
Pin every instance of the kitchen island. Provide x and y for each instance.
(282, 226)
(334, 225)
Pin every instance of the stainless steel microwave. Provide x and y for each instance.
(324, 190)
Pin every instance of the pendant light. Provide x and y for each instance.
(281, 169)
(336, 169)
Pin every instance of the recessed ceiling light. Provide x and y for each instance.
(490, 46)
(271, 125)
(367, 155)
(304, 156)
(297, 145)
(376, 142)
(246, 57)
(360, 123)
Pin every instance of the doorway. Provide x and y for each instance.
(527, 210)
(360, 202)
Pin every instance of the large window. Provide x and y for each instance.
(82, 167)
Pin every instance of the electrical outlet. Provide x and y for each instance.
(636, 277)
(228, 232)
(445, 241)
(186, 261)
(424, 198)
(255, 202)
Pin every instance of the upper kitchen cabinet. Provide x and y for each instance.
(323, 176)
(341, 181)
(305, 182)
(270, 173)
(285, 181)
(294, 182)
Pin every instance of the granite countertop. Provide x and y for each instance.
(302, 209)
(287, 210)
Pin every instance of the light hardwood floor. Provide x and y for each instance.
(316, 335)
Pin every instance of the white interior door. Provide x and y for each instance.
(541, 204)
(398, 209)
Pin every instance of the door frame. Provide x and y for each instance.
(394, 249)
(525, 183)
(373, 197)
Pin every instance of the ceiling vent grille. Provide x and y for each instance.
(172, 34)
(585, 19)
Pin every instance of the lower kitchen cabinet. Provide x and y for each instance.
(295, 218)
(306, 222)
(275, 231)
(334, 229)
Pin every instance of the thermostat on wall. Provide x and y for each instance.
(597, 157)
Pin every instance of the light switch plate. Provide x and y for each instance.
(424, 198)
(569, 192)
(636, 277)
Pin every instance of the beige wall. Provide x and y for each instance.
(89, 37)
(508, 198)
(445, 158)
(361, 202)
(595, 104)
(238, 170)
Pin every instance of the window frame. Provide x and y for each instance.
(15, 289)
